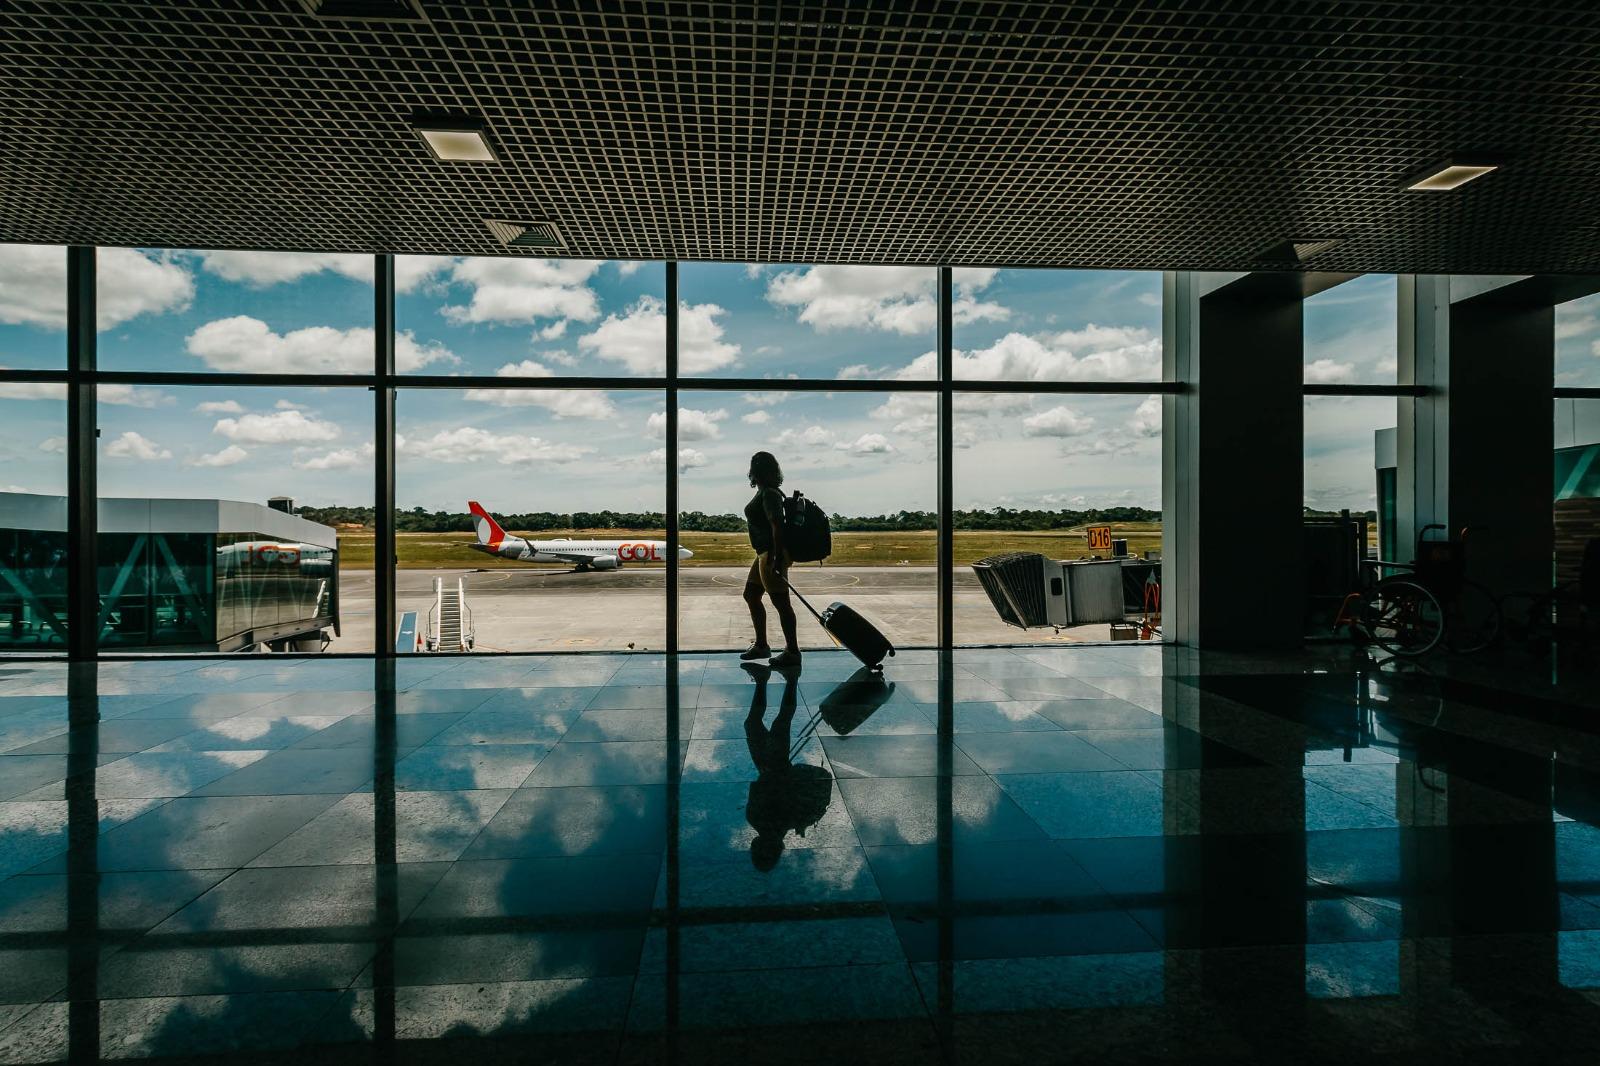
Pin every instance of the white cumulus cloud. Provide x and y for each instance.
(128, 283)
(1328, 371)
(226, 457)
(338, 459)
(688, 458)
(693, 424)
(1094, 353)
(53, 445)
(113, 394)
(637, 339)
(280, 427)
(243, 344)
(1058, 421)
(468, 444)
(511, 291)
(810, 437)
(894, 299)
(220, 407)
(756, 418)
(866, 444)
(262, 269)
(131, 396)
(1146, 420)
(563, 403)
(133, 445)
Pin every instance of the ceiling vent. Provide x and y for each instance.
(541, 235)
(1300, 249)
(383, 10)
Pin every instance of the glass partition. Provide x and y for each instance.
(237, 312)
(33, 517)
(530, 520)
(1058, 525)
(33, 307)
(534, 318)
(1350, 332)
(795, 321)
(1057, 325)
(866, 459)
(226, 515)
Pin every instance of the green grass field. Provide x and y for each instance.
(429, 551)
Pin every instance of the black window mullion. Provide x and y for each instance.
(945, 553)
(83, 492)
(383, 546)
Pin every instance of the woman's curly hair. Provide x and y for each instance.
(765, 471)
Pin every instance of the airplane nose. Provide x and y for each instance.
(685, 553)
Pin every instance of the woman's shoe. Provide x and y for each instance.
(785, 658)
(756, 651)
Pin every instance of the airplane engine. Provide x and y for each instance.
(604, 562)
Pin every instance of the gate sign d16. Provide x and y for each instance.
(1099, 538)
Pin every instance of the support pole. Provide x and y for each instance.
(383, 548)
(1234, 497)
(945, 563)
(83, 600)
(673, 533)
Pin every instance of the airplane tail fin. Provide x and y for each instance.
(489, 531)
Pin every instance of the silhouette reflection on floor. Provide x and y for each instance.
(788, 796)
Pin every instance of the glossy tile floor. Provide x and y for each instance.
(1102, 854)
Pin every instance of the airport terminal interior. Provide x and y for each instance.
(790, 532)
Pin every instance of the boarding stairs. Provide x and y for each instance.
(450, 619)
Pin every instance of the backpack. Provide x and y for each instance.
(805, 530)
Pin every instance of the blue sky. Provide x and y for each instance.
(571, 450)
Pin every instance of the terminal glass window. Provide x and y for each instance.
(227, 516)
(866, 459)
(1057, 325)
(33, 517)
(234, 311)
(1350, 333)
(520, 317)
(1057, 517)
(1578, 343)
(33, 307)
(1576, 516)
(796, 321)
(530, 520)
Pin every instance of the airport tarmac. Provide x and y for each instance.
(558, 610)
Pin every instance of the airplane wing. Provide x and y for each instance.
(570, 557)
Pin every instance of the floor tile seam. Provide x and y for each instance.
(1348, 798)
(19, 1019)
(900, 958)
(99, 832)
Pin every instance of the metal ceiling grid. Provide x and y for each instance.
(1128, 134)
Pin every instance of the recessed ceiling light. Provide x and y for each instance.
(1447, 176)
(455, 140)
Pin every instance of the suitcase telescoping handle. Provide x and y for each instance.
(802, 599)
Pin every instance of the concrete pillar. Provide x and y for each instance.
(1475, 447)
(1233, 493)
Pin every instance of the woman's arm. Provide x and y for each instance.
(773, 505)
(780, 556)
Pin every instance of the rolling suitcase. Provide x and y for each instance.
(858, 636)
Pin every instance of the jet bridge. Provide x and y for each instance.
(190, 575)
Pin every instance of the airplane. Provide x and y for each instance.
(582, 554)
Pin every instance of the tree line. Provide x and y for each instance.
(420, 520)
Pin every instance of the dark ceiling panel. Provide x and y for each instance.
(1118, 134)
